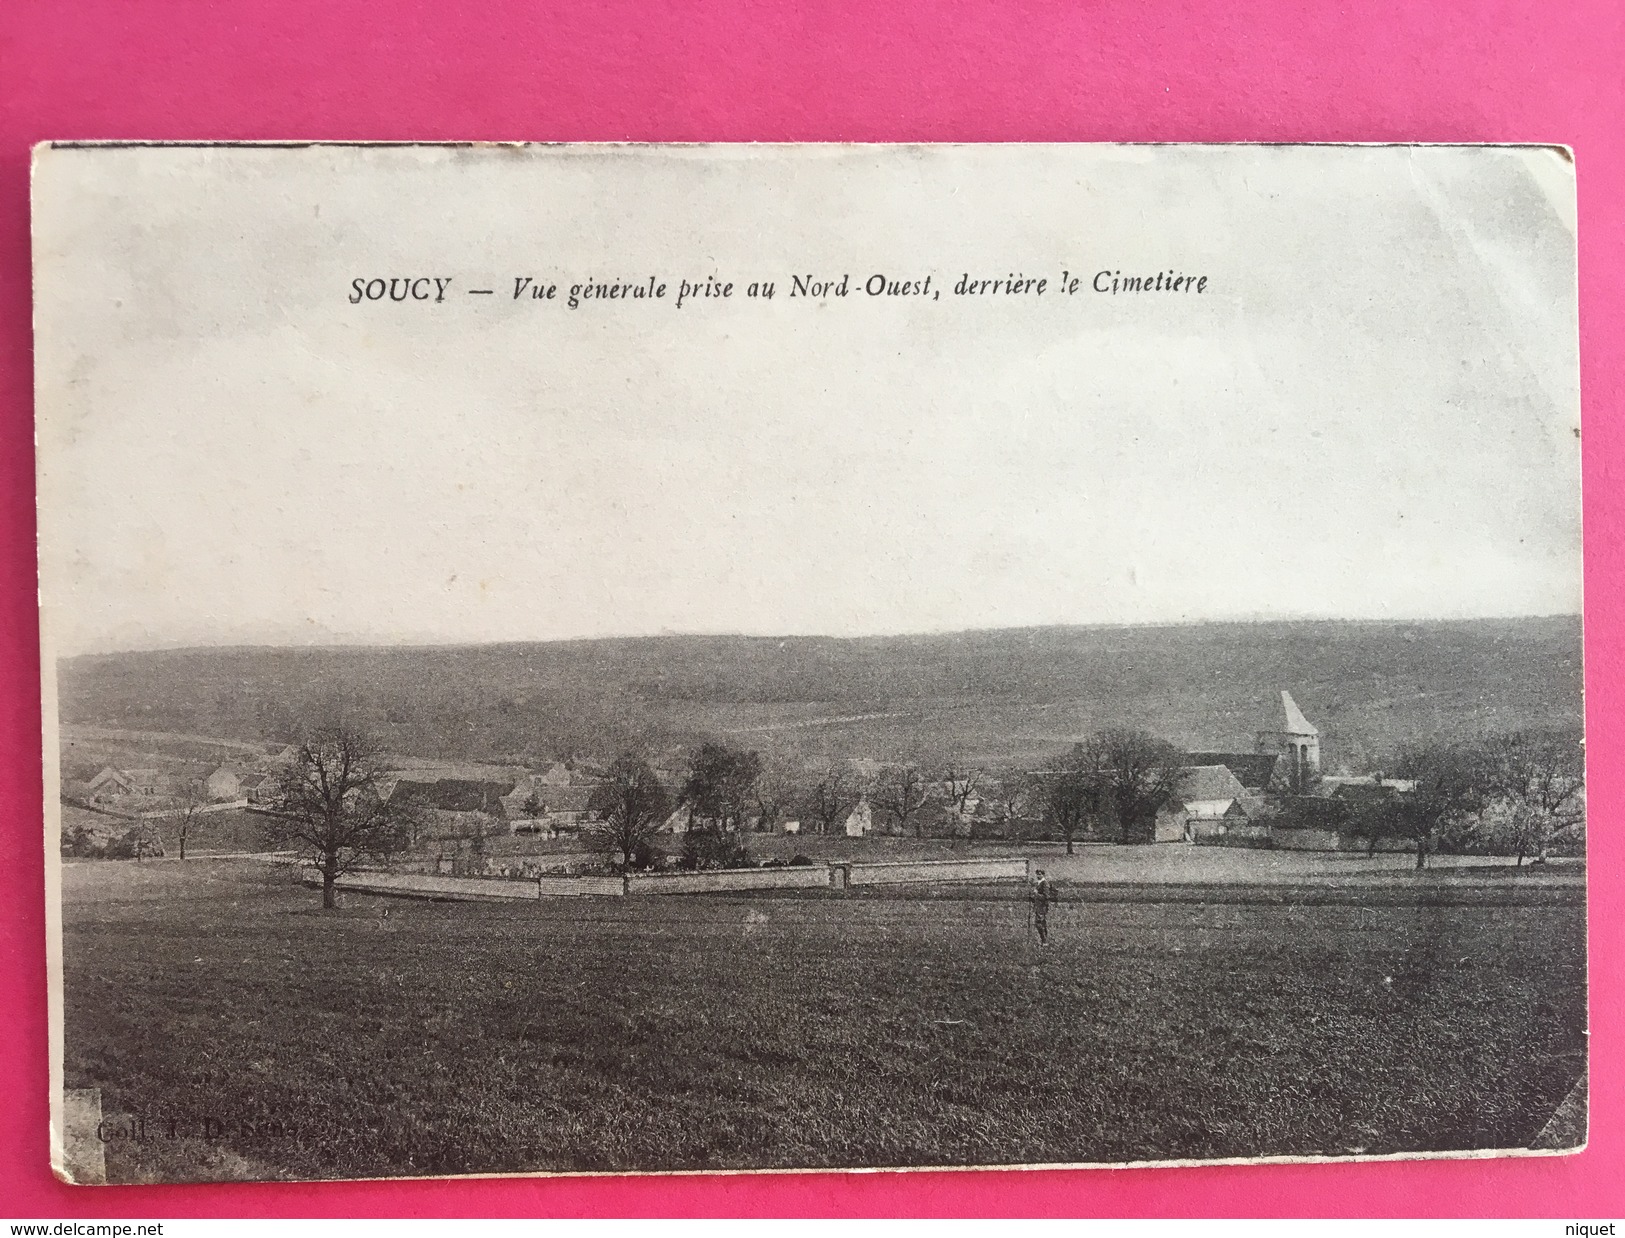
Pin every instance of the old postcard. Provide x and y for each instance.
(608, 658)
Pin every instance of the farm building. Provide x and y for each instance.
(861, 820)
(682, 820)
(555, 775)
(1336, 819)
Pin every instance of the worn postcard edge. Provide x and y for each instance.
(49, 709)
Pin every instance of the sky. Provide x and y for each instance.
(1371, 411)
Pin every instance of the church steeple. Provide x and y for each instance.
(1298, 741)
(1296, 723)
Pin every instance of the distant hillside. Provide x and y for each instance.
(993, 695)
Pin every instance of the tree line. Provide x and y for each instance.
(1112, 785)
(1518, 791)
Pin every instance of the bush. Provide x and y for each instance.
(134, 843)
(1313, 812)
(799, 861)
(704, 849)
(645, 857)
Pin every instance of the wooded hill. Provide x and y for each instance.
(1014, 695)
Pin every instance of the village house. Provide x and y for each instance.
(537, 807)
(223, 783)
(1208, 800)
(109, 786)
(459, 795)
(860, 822)
(1229, 799)
(1286, 801)
(1255, 771)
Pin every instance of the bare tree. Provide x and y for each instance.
(632, 804)
(480, 825)
(900, 791)
(775, 794)
(331, 807)
(1539, 777)
(961, 783)
(185, 807)
(830, 797)
(1013, 794)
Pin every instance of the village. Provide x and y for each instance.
(1120, 787)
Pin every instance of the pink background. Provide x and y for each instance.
(745, 70)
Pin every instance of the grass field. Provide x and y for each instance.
(396, 1037)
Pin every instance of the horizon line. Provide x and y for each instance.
(358, 642)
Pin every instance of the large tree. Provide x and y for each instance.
(719, 793)
(830, 796)
(1073, 796)
(1134, 774)
(1451, 781)
(720, 789)
(901, 793)
(631, 804)
(330, 806)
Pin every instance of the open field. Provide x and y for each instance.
(397, 1037)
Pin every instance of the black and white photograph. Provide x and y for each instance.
(648, 659)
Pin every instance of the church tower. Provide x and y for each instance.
(1297, 740)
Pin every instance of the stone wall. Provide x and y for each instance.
(551, 887)
(428, 885)
(798, 878)
(992, 869)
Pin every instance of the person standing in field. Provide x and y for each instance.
(1039, 896)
